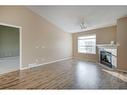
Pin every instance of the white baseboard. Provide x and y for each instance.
(45, 63)
(23, 68)
(66, 59)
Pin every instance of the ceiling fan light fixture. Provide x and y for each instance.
(83, 26)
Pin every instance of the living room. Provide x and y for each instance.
(64, 47)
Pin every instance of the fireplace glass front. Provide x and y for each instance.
(106, 58)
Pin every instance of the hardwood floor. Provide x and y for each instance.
(69, 74)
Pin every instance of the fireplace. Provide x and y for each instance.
(106, 58)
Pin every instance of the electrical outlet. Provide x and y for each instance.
(32, 65)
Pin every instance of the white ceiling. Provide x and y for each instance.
(69, 18)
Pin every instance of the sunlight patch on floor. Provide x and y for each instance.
(117, 74)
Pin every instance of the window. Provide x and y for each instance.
(87, 44)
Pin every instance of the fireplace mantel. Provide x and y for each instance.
(110, 46)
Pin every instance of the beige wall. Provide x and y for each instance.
(103, 36)
(9, 41)
(40, 39)
(122, 40)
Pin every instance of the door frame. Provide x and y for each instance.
(20, 41)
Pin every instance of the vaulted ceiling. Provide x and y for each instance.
(69, 18)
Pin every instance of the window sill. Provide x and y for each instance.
(87, 53)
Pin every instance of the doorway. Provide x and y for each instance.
(10, 48)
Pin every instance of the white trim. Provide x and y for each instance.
(110, 46)
(20, 31)
(23, 68)
(45, 63)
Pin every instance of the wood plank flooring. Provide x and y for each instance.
(68, 74)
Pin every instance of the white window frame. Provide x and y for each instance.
(87, 38)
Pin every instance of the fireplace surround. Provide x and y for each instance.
(108, 55)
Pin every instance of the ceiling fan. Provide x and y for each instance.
(83, 26)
